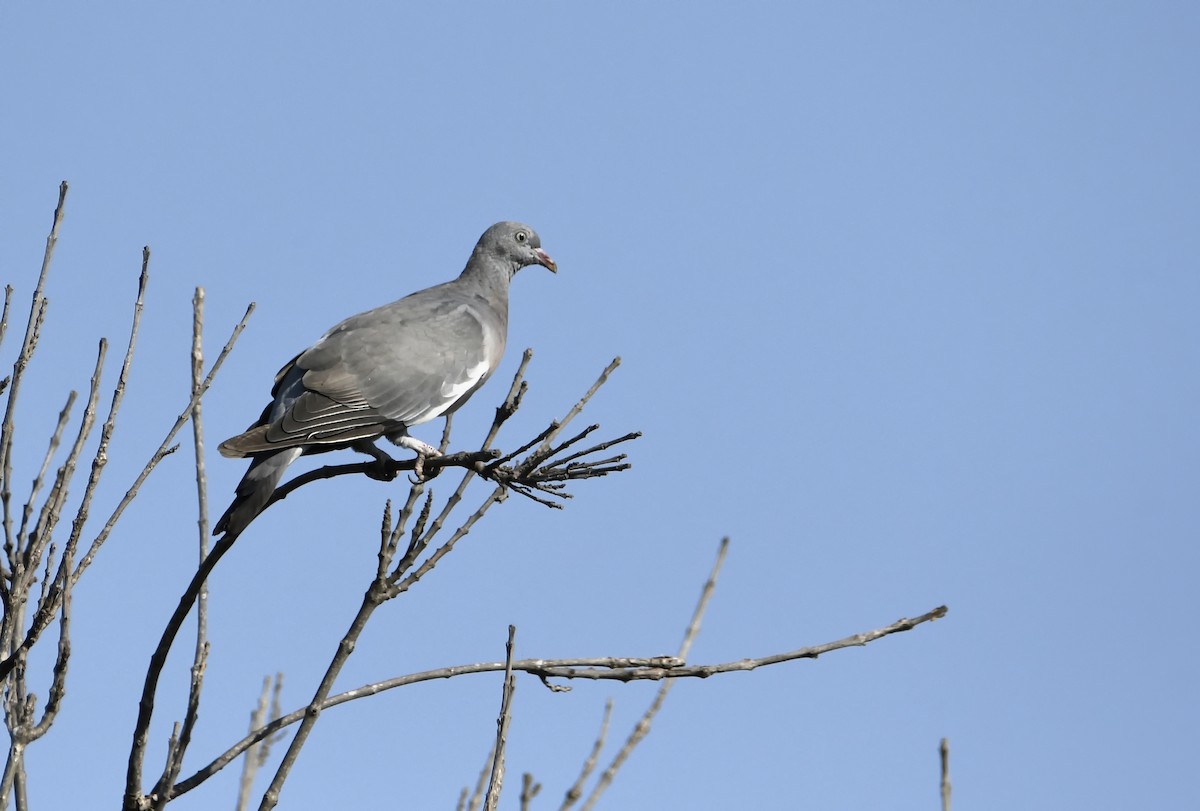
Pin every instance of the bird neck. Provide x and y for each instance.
(489, 273)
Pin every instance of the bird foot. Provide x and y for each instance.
(423, 450)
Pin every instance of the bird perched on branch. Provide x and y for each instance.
(380, 372)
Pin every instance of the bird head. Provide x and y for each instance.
(517, 243)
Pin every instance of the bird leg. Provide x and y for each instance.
(382, 460)
(422, 449)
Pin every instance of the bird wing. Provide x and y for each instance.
(398, 365)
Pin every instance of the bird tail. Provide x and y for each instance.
(255, 489)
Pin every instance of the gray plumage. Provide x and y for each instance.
(378, 373)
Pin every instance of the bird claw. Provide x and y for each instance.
(423, 450)
(418, 475)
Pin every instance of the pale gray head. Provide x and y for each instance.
(515, 244)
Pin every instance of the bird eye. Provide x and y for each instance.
(522, 236)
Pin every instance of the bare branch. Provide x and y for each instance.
(476, 800)
(37, 314)
(512, 401)
(20, 788)
(164, 449)
(529, 790)
(583, 401)
(39, 480)
(497, 778)
(137, 755)
(944, 756)
(34, 545)
(642, 728)
(600, 668)
(12, 767)
(198, 431)
(257, 754)
(589, 765)
(100, 459)
(162, 791)
(373, 598)
(464, 459)
(430, 562)
(8, 291)
(133, 778)
(58, 683)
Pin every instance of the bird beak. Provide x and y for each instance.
(545, 261)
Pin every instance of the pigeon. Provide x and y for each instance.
(378, 373)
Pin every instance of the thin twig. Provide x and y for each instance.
(512, 402)
(373, 598)
(64, 580)
(496, 781)
(23, 558)
(39, 480)
(133, 776)
(583, 401)
(37, 313)
(162, 791)
(589, 765)
(476, 801)
(8, 291)
(52, 507)
(529, 790)
(944, 756)
(12, 767)
(58, 683)
(642, 728)
(257, 754)
(21, 788)
(430, 562)
(198, 432)
(43, 531)
(163, 449)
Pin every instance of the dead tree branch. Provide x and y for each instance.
(623, 669)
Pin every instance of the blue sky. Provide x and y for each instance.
(906, 296)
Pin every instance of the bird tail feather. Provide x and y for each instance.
(255, 489)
